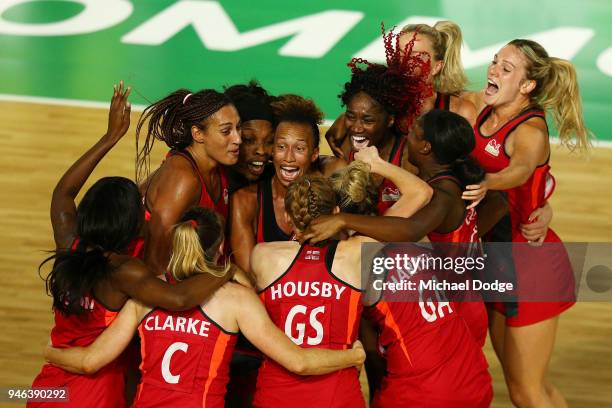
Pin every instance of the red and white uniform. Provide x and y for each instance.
(102, 389)
(185, 360)
(432, 357)
(546, 266)
(315, 309)
(388, 193)
(473, 312)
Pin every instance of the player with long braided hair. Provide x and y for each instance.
(186, 355)
(93, 271)
(202, 129)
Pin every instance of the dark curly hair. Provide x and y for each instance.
(400, 87)
(294, 108)
(251, 100)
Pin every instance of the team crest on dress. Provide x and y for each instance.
(493, 148)
(312, 255)
(390, 194)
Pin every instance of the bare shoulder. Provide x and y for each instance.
(464, 107)
(230, 292)
(246, 193)
(177, 177)
(476, 98)
(275, 249)
(245, 198)
(531, 131)
(270, 259)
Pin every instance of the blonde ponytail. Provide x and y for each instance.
(355, 189)
(452, 78)
(195, 243)
(557, 91)
(446, 40)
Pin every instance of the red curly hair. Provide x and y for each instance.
(409, 70)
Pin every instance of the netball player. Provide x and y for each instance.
(313, 292)
(379, 101)
(93, 273)
(257, 210)
(440, 45)
(253, 105)
(186, 355)
(202, 129)
(512, 144)
(439, 147)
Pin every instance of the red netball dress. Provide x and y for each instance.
(388, 193)
(221, 205)
(102, 389)
(432, 357)
(185, 360)
(542, 272)
(315, 309)
(473, 312)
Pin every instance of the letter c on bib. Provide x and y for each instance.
(165, 366)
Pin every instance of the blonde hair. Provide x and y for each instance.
(356, 192)
(556, 90)
(446, 39)
(195, 243)
(308, 198)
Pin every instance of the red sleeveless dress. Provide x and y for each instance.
(315, 309)
(541, 272)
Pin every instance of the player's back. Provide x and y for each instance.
(81, 330)
(433, 359)
(315, 309)
(185, 359)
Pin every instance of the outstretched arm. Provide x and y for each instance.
(106, 348)
(416, 193)
(256, 325)
(241, 235)
(137, 282)
(63, 207)
(386, 229)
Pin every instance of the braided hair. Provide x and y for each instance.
(307, 198)
(170, 120)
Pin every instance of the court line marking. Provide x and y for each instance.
(607, 144)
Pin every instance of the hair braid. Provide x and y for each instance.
(308, 198)
(170, 120)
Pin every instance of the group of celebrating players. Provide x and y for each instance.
(245, 228)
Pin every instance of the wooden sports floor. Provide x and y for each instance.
(39, 142)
